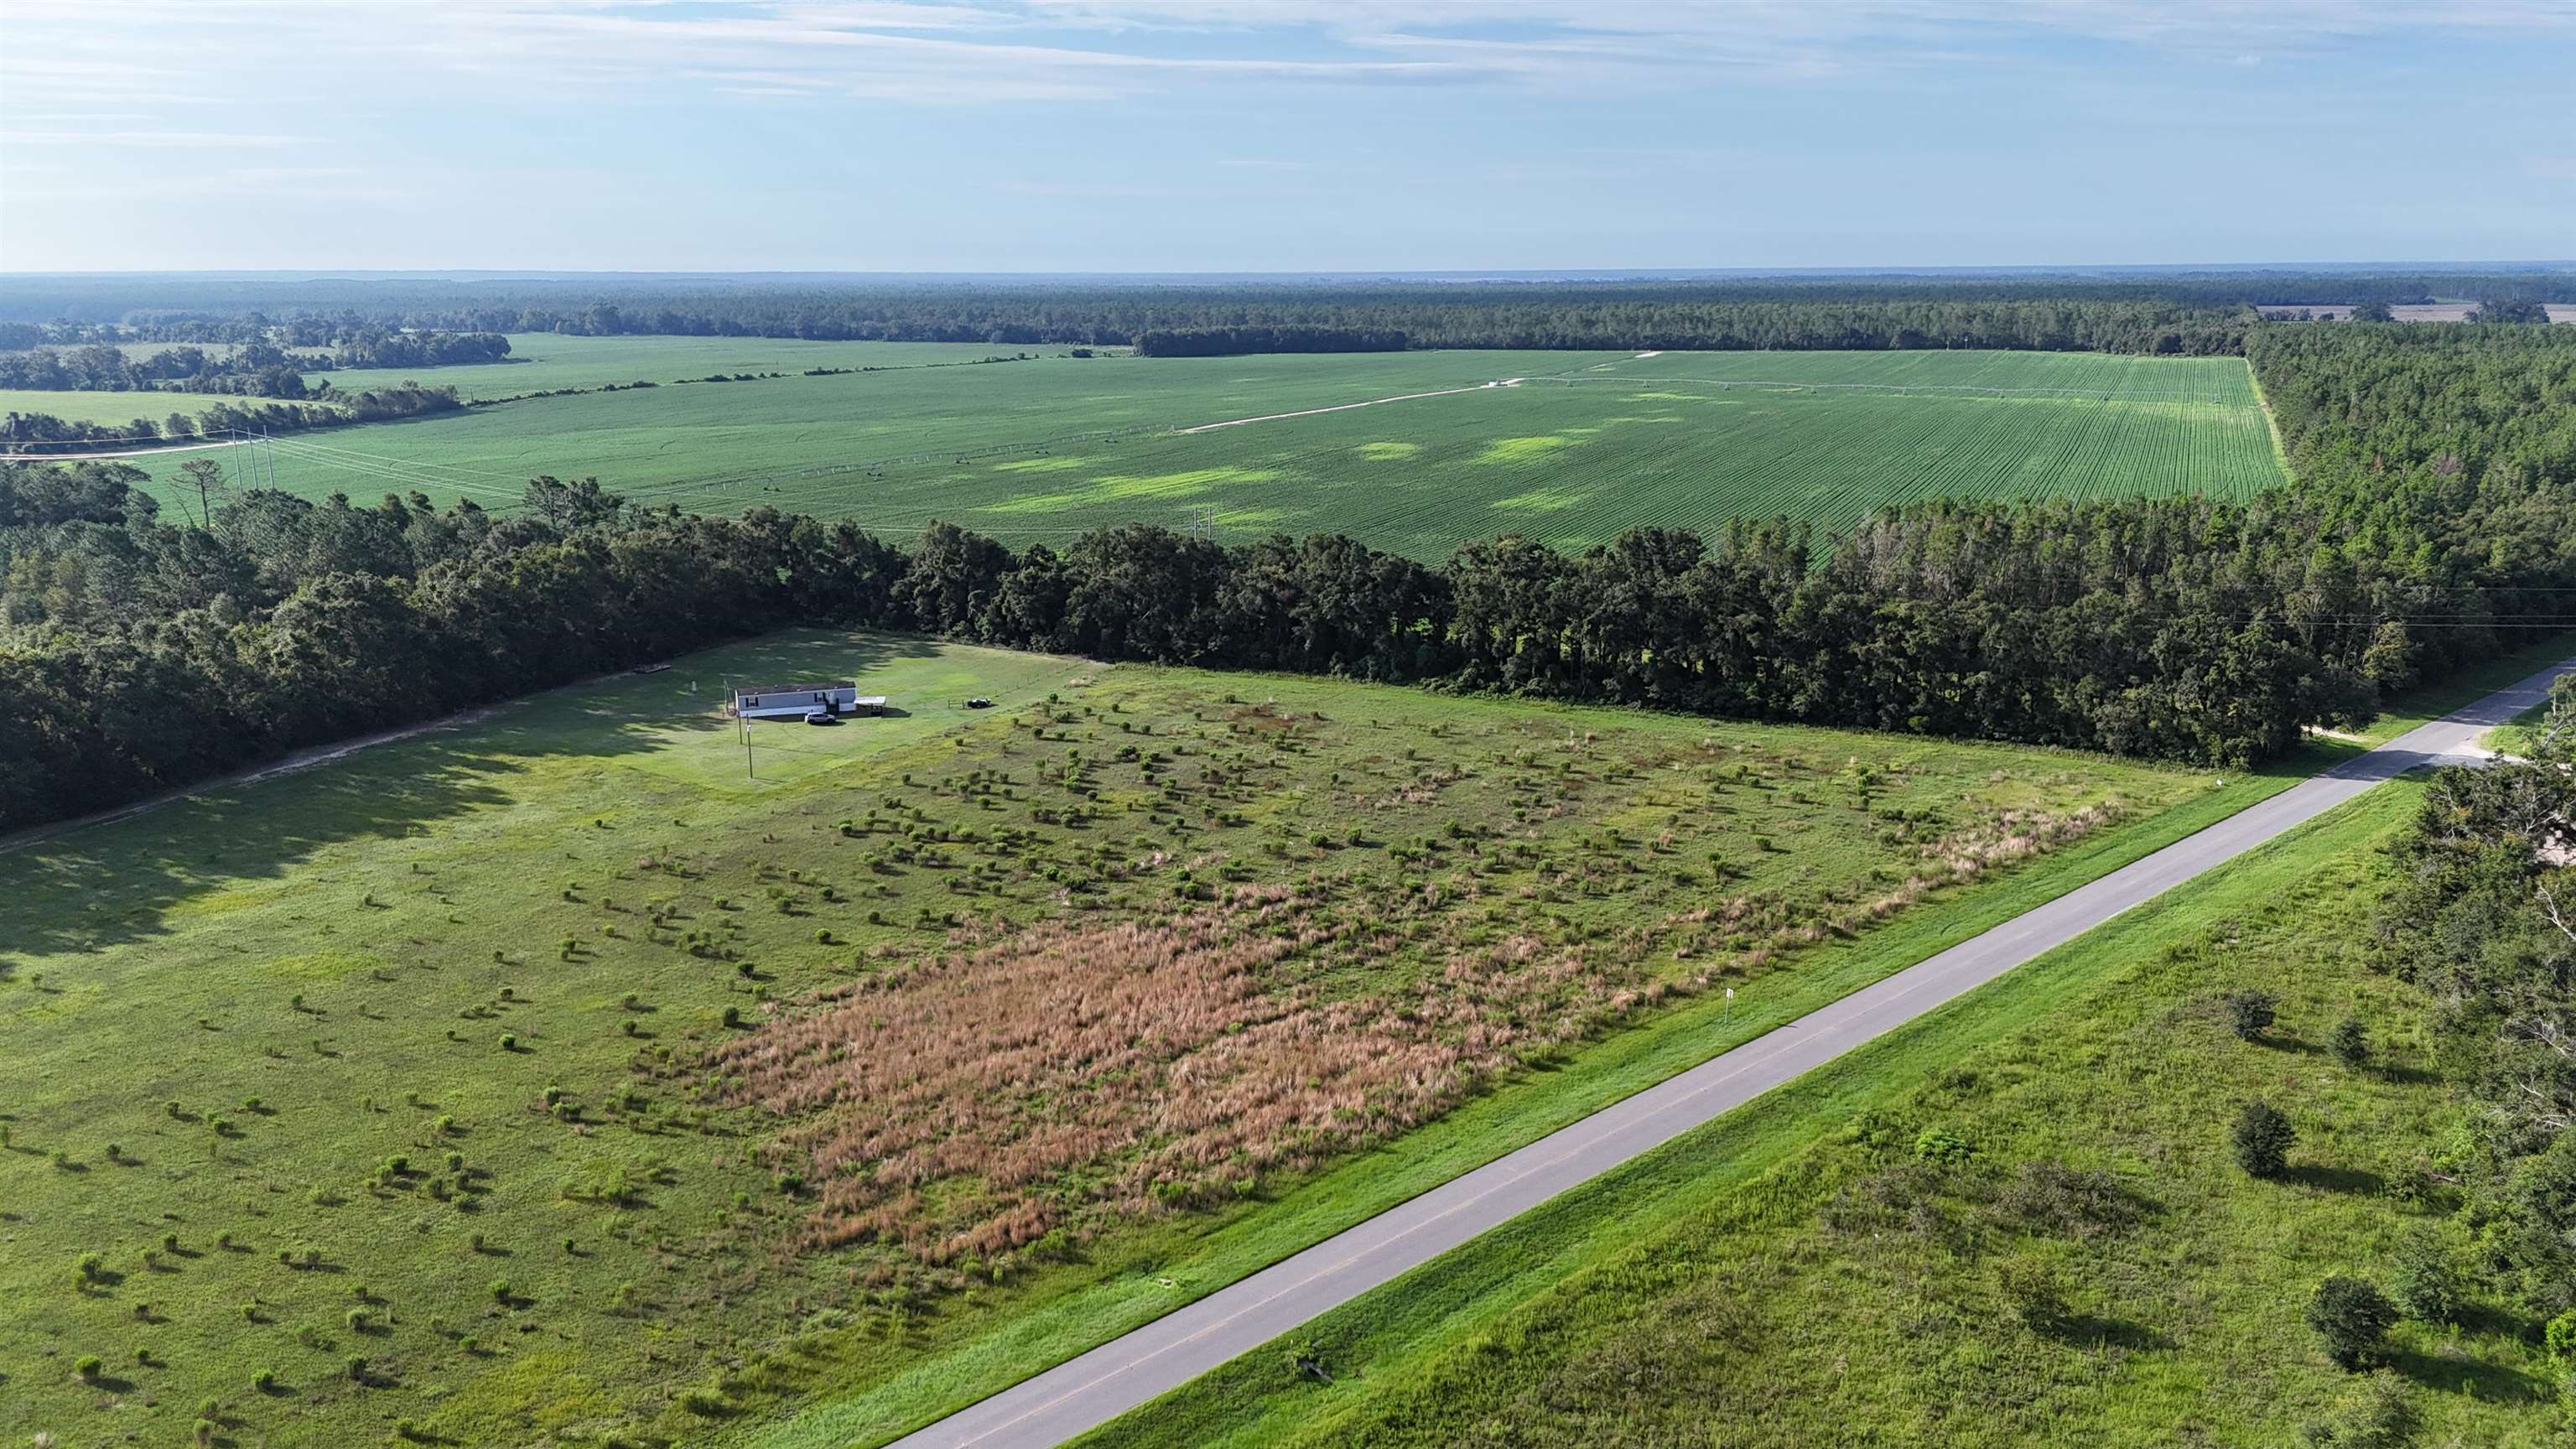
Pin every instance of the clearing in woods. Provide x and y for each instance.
(522, 1078)
(1040, 448)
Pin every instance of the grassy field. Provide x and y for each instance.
(1762, 1282)
(428, 1086)
(112, 407)
(1582, 445)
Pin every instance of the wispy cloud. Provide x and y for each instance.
(177, 138)
(999, 50)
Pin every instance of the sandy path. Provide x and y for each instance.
(1346, 407)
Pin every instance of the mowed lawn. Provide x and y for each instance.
(1580, 446)
(1849, 1260)
(437, 1085)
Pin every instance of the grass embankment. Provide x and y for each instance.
(374, 1089)
(1588, 444)
(1827, 1265)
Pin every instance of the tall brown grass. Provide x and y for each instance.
(1077, 1073)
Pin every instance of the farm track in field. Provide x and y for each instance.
(1586, 445)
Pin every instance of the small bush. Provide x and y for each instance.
(2350, 1316)
(2262, 1138)
(2375, 1413)
(2351, 1043)
(509, 1041)
(2030, 1293)
(264, 1380)
(86, 1368)
(2250, 1013)
(2423, 1281)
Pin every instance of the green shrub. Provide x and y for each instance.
(2423, 1281)
(2350, 1316)
(86, 1368)
(2351, 1043)
(2262, 1138)
(2374, 1413)
(2250, 1013)
(2030, 1293)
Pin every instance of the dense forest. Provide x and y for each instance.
(2190, 313)
(2486, 924)
(1237, 341)
(2427, 529)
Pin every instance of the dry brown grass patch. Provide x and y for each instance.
(1078, 1072)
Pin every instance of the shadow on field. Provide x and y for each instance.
(2452, 1371)
(2336, 1179)
(117, 883)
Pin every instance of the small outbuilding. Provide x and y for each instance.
(795, 701)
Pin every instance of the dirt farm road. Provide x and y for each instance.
(1088, 1391)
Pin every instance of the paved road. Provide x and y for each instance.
(1086, 1392)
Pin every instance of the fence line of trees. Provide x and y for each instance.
(35, 432)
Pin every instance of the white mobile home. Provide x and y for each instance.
(795, 701)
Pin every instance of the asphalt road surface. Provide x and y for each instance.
(1089, 1391)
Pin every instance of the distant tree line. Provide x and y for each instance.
(2427, 530)
(258, 367)
(2195, 313)
(33, 432)
(1234, 341)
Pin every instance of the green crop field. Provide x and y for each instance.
(1854, 1259)
(544, 361)
(438, 1086)
(1567, 447)
(113, 407)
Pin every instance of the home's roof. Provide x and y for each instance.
(807, 688)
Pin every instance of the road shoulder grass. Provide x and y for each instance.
(1705, 1269)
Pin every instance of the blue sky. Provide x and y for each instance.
(1260, 135)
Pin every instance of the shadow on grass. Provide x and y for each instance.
(115, 884)
(2458, 1373)
(2336, 1179)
